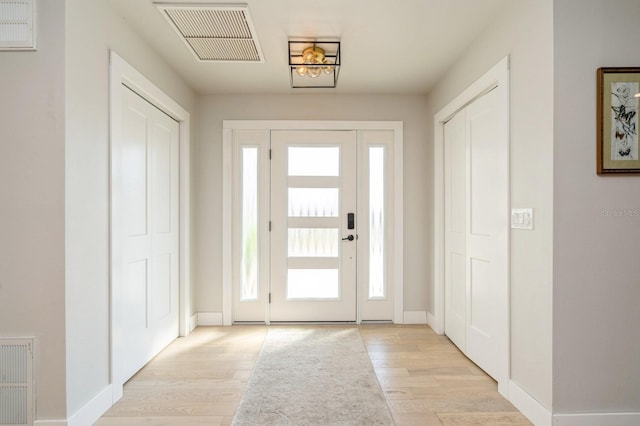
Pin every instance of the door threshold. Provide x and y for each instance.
(313, 323)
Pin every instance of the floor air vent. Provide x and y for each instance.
(16, 382)
(215, 33)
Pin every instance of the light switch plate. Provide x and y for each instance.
(522, 218)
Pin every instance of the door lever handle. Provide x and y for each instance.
(350, 238)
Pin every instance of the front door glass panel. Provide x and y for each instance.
(249, 254)
(312, 240)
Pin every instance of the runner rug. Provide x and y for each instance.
(313, 376)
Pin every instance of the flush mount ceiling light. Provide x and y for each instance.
(314, 64)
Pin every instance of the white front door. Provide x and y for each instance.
(145, 197)
(476, 234)
(313, 226)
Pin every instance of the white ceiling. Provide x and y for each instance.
(388, 46)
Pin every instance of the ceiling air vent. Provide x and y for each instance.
(17, 29)
(215, 33)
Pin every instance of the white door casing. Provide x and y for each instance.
(486, 247)
(377, 136)
(149, 171)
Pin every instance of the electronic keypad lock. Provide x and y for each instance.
(351, 221)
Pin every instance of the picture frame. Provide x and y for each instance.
(618, 104)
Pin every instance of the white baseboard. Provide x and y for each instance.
(529, 406)
(193, 322)
(50, 423)
(209, 318)
(433, 323)
(415, 317)
(92, 410)
(597, 419)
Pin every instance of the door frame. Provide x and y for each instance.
(497, 77)
(227, 197)
(123, 74)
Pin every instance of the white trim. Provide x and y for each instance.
(310, 125)
(529, 406)
(193, 322)
(398, 223)
(227, 201)
(431, 322)
(597, 419)
(498, 76)
(122, 73)
(50, 423)
(92, 410)
(227, 229)
(415, 317)
(209, 318)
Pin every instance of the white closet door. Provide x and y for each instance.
(145, 209)
(456, 229)
(476, 235)
(487, 245)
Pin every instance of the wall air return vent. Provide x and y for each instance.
(17, 25)
(16, 382)
(215, 33)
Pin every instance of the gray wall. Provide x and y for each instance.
(92, 29)
(596, 340)
(524, 31)
(417, 177)
(32, 203)
(55, 229)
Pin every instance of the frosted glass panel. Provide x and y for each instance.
(312, 284)
(313, 202)
(314, 161)
(313, 242)
(377, 285)
(249, 255)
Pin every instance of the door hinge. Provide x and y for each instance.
(269, 154)
(269, 226)
(269, 298)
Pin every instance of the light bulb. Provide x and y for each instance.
(314, 72)
(301, 71)
(328, 69)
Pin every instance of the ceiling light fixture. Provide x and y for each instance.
(314, 64)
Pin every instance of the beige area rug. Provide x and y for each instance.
(313, 376)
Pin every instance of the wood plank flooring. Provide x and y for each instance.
(200, 380)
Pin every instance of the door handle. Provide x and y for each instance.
(350, 238)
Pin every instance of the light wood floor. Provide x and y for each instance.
(200, 379)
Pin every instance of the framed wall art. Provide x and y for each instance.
(618, 98)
